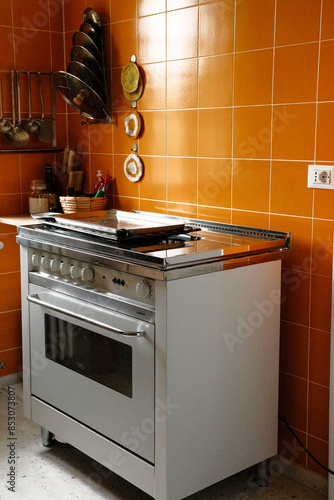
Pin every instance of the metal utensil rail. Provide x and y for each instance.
(53, 135)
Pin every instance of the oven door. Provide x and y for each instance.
(95, 365)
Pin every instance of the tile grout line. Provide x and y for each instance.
(232, 111)
(312, 236)
(272, 117)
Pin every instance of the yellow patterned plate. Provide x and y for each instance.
(130, 77)
(134, 96)
(133, 168)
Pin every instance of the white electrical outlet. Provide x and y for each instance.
(320, 177)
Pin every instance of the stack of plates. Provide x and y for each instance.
(83, 84)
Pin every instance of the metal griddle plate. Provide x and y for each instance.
(115, 224)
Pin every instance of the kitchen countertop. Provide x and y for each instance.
(17, 220)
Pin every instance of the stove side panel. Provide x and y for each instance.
(25, 266)
(222, 362)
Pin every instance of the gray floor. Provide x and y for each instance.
(64, 472)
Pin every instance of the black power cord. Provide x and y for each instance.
(304, 447)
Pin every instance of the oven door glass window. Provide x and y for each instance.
(104, 360)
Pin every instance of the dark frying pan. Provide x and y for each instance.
(86, 75)
(91, 17)
(83, 56)
(89, 30)
(83, 40)
(80, 96)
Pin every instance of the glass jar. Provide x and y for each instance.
(38, 197)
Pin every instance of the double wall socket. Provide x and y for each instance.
(320, 176)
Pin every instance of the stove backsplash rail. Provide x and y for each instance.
(220, 227)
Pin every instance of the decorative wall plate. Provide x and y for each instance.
(130, 77)
(134, 96)
(133, 124)
(133, 168)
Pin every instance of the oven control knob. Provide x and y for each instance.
(75, 272)
(36, 260)
(87, 274)
(143, 290)
(45, 262)
(55, 265)
(65, 268)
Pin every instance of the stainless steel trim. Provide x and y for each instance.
(220, 227)
(110, 301)
(57, 246)
(35, 300)
(192, 269)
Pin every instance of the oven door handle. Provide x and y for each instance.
(35, 300)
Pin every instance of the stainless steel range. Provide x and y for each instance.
(151, 343)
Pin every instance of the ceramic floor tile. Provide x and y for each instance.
(63, 472)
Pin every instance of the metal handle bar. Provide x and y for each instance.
(35, 300)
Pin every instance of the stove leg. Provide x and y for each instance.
(47, 437)
(262, 474)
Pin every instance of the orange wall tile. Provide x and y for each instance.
(251, 185)
(215, 81)
(297, 64)
(249, 16)
(293, 400)
(255, 68)
(318, 448)
(319, 357)
(297, 21)
(12, 359)
(182, 33)
(294, 349)
(10, 330)
(212, 39)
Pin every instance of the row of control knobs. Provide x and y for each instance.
(85, 273)
(55, 265)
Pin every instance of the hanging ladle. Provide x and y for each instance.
(17, 136)
(31, 125)
(5, 125)
(46, 130)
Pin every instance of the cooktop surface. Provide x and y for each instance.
(155, 240)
